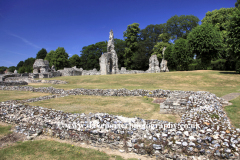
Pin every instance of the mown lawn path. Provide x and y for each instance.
(230, 96)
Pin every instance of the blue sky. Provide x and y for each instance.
(26, 26)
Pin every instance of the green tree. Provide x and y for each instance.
(181, 54)
(60, 58)
(21, 70)
(181, 26)
(169, 56)
(12, 68)
(2, 69)
(20, 64)
(234, 38)
(220, 19)
(28, 65)
(120, 46)
(75, 61)
(237, 4)
(91, 54)
(131, 36)
(41, 54)
(205, 42)
(49, 57)
(148, 39)
(164, 42)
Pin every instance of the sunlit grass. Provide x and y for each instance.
(125, 106)
(217, 82)
(46, 149)
(19, 95)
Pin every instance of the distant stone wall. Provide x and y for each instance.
(70, 72)
(91, 72)
(31, 80)
(3, 83)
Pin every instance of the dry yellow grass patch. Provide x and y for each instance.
(125, 106)
(19, 95)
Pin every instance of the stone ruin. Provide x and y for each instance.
(40, 66)
(41, 69)
(109, 61)
(204, 131)
(153, 64)
(163, 66)
(108, 65)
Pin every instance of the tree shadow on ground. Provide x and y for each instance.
(228, 72)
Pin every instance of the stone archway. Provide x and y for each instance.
(110, 66)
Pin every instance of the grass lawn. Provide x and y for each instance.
(217, 82)
(19, 95)
(233, 111)
(46, 149)
(125, 106)
(4, 130)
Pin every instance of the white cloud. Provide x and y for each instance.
(24, 40)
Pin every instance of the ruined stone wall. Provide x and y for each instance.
(203, 130)
(31, 80)
(91, 72)
(3, 83)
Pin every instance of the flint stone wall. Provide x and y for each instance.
(13, 83)
(214, 136)
(31, 80)
(70, 72)
(176, 103)
(91, 72)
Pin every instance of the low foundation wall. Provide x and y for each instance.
(13, 83)
(204, 129)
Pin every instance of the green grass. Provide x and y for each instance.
(4, 130)
(46, 149)
(125, 106)
(233, 112)
(217, 82)
(19, 95)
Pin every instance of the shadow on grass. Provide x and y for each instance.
(228, 72)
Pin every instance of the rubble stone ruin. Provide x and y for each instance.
(153, 64)
(163, 66)
(40, 66)
(109, 61)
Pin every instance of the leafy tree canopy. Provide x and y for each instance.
(181, 26)
(234, 38)
(60, 58)
(181, 54)
(91, 54)
(75, 61)
(49, 57)
(120, 46)
(237, 4)
(12, 68)
(20, 64)
(131, 36)
(205, 42)
(41, 54)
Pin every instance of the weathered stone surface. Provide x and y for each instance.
(163, 66)
(40, 66)
(109, 61)
(4, 83)
(153, 65)
(71, 71)
(192, 135)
